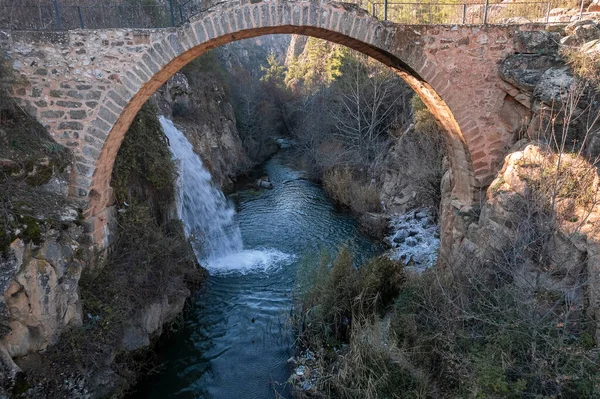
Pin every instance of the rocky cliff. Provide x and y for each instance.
(537, 221)
(42, 251)
(202, 110)
(200, 100)
(65, 316)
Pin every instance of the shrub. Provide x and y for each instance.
(348, 189)
(585, 65)
(473, 333)
(418, 157)
(333, 293)
(339, 306)
(144, 170)
(491, 338)
(373, 367)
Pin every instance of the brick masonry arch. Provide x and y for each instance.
(87, 86)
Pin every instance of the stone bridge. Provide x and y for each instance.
(86, 86)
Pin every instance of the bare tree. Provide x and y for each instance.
(367, 102)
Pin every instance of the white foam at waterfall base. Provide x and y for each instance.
(208, 217)
(249, 260)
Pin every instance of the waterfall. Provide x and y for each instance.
(202, 207)
(207, 216)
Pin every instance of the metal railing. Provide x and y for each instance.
(455, 13)
(53, 15)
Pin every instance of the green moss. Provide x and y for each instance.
(33, 231)
(144, 170)
(497, 184)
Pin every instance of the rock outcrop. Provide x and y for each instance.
(538, 195)
(202, 111)
(539, 219)
(40, 293)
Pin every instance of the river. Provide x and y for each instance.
(236, 337)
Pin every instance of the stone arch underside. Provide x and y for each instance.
(415, 53)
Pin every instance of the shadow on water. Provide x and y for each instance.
(236, 337)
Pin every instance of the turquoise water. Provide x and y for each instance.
(236, 338)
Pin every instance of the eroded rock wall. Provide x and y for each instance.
(552, 243)
(40, 293)
(202, 111)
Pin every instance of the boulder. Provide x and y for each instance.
(524, 71)
(39, 286)
(264, 182)
(591, 48)
(536, 42)
(580, 32)
(553, 86)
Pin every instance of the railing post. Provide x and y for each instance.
(548, 15)
(385, 10)
(464, 18)
(57, 12)
(172, 13)
(80, 17)
(373, 9)
(430, 14)
(581, 10)
(180, 13)
(485, 11)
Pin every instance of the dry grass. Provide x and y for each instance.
(338, 306)
(585, 65)
(348, 189)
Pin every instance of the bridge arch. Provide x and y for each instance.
(158, 54)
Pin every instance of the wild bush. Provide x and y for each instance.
(349, 189)
(144, 170)
(418, 156)
(372, 366)
(333, 293)
(492, 339)
(585, 65)
(337, 313)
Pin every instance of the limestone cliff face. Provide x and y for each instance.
(40, 293)
(539, 221)
(202, 111)
(200, 104)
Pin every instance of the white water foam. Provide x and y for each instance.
(209, 218)
(249, 260)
